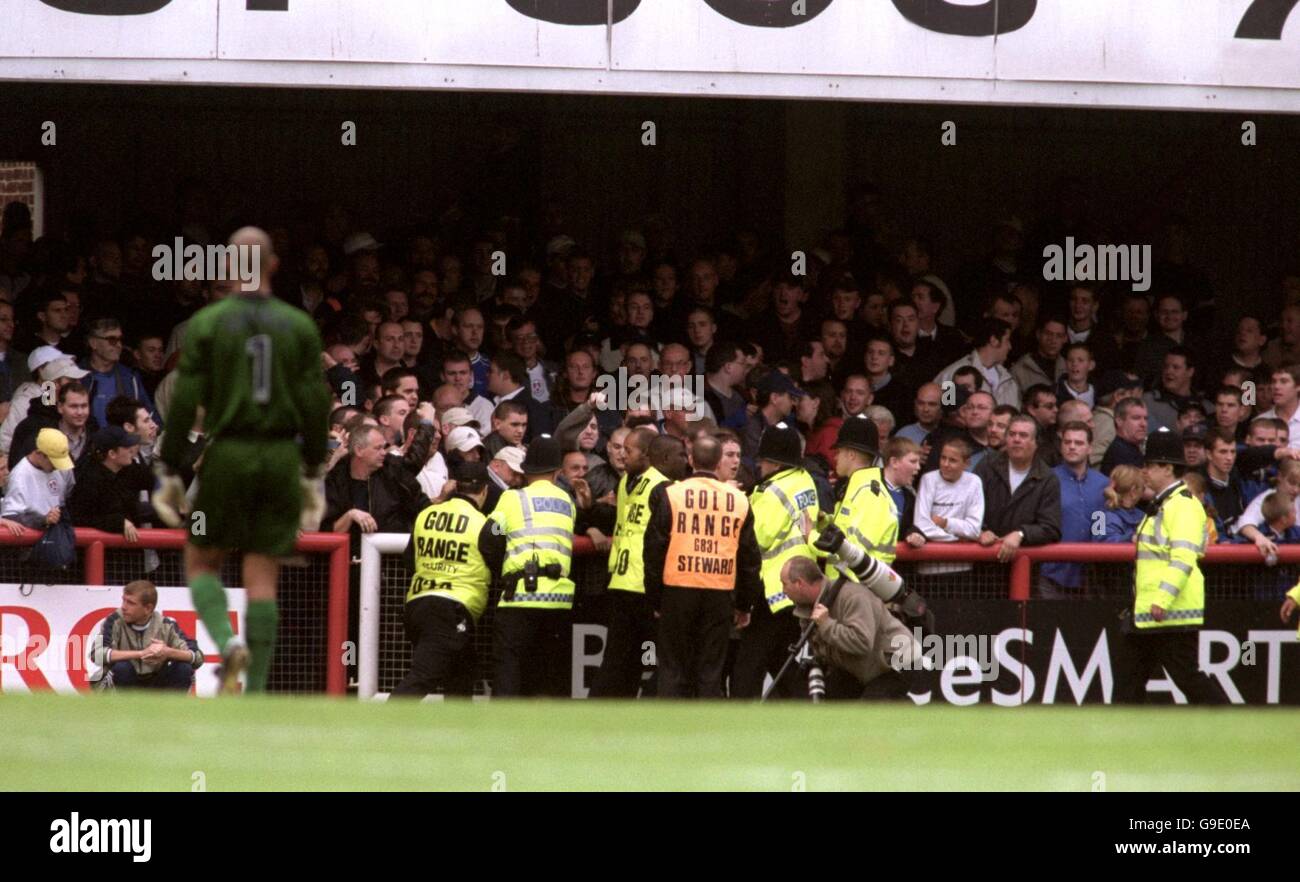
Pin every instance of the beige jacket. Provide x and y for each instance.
(861, 635)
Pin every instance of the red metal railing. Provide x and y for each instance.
(1019, 567)
(334, 545)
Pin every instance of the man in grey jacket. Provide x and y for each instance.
(1022, 498)
(139, 647)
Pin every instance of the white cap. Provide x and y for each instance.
(53, 364)
(512, 456)
(463, 439)
(43, 355)
(456, 417)
(359, 242)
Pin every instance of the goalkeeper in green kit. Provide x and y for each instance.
(252, 363)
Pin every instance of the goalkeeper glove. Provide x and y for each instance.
(313, 500)
(168, 497)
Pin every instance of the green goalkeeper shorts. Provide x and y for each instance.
(250, 496)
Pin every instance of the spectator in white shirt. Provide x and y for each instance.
(949, 505)
(40, 483)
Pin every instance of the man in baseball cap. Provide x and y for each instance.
(455, 417)
(49, 363)
(39, 483)
(777, 394)
(505, 472)
(112, 438)
(508, 466)
(465, 442)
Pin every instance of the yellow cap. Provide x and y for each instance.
(54, 444)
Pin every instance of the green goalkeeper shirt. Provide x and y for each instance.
(253, 364)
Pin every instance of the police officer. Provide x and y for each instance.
(533, 630)
(1169, 590)
(629, 621)
(703, 573)
(784, 510)
(452, 554)
(865, 512)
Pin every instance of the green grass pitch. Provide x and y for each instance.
(52, 742)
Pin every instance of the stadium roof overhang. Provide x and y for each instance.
(1162, 54)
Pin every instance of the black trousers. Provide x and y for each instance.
(764, 647)
(889, 686)
(629, 625)
(694, 632)
(441, 632)
(1174, 650)
(532, 652)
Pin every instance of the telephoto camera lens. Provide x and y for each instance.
(816, 683)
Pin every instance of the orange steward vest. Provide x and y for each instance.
(704, 539)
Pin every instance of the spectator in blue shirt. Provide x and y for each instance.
(1082, 499)
(1122, 497)
(109, 378)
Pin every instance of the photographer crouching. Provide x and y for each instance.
(862, 648)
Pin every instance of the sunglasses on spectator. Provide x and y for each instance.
(115, 339)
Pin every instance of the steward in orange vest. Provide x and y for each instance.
(702, 574)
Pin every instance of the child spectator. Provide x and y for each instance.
(949, 506)
(137, 646)
(902, 459)
(1074, 383)
(1248, 525)
(1278, 524)
(1122, 497)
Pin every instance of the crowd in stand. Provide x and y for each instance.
(1012, 411)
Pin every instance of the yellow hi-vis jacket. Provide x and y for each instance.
(1169, 543)
(448, 562)
(781, 505)
(537, 521)
(867, 516)
(627, 553)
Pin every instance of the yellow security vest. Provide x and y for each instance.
(627, 554)
(867, 516)
(779, 506)
(537, 521)
(447, 559)
(1169, 544)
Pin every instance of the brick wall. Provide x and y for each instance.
(18, 183)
